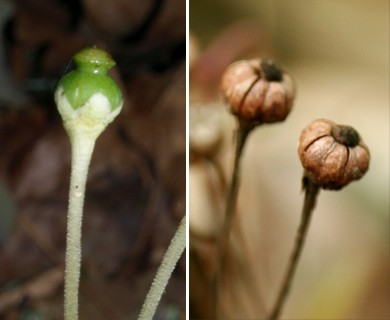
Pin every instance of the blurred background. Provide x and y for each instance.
(136, 188)
(338, 54)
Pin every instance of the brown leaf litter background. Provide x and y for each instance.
(136, 187)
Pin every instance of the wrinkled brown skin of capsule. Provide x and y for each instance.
(258, 90)
(332, 155)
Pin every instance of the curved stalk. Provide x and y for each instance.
(242, 134)
(164, 272)
(311, 192)
(82, 149)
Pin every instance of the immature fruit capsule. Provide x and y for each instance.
(333, 155)
(87, 98)
(258, 90)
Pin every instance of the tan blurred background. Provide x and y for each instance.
(338, 54)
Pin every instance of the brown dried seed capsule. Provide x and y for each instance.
(333, 155)
(258, 90)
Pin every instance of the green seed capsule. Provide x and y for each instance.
(90, 77)
(87, 97)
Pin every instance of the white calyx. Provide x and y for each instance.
(90, 119)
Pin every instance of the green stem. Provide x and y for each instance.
(311, 192)
(242, 134)
(164, 272)
(82, 149)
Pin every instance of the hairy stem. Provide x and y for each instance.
(311, 192)
(164, 272)
(242, 135)
(82, 149)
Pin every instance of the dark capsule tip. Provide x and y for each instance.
(271, 71)
(346, 135)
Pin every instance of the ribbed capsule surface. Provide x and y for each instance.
(258, 90)
(333, 155)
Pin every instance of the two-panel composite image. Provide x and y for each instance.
(193, 159)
